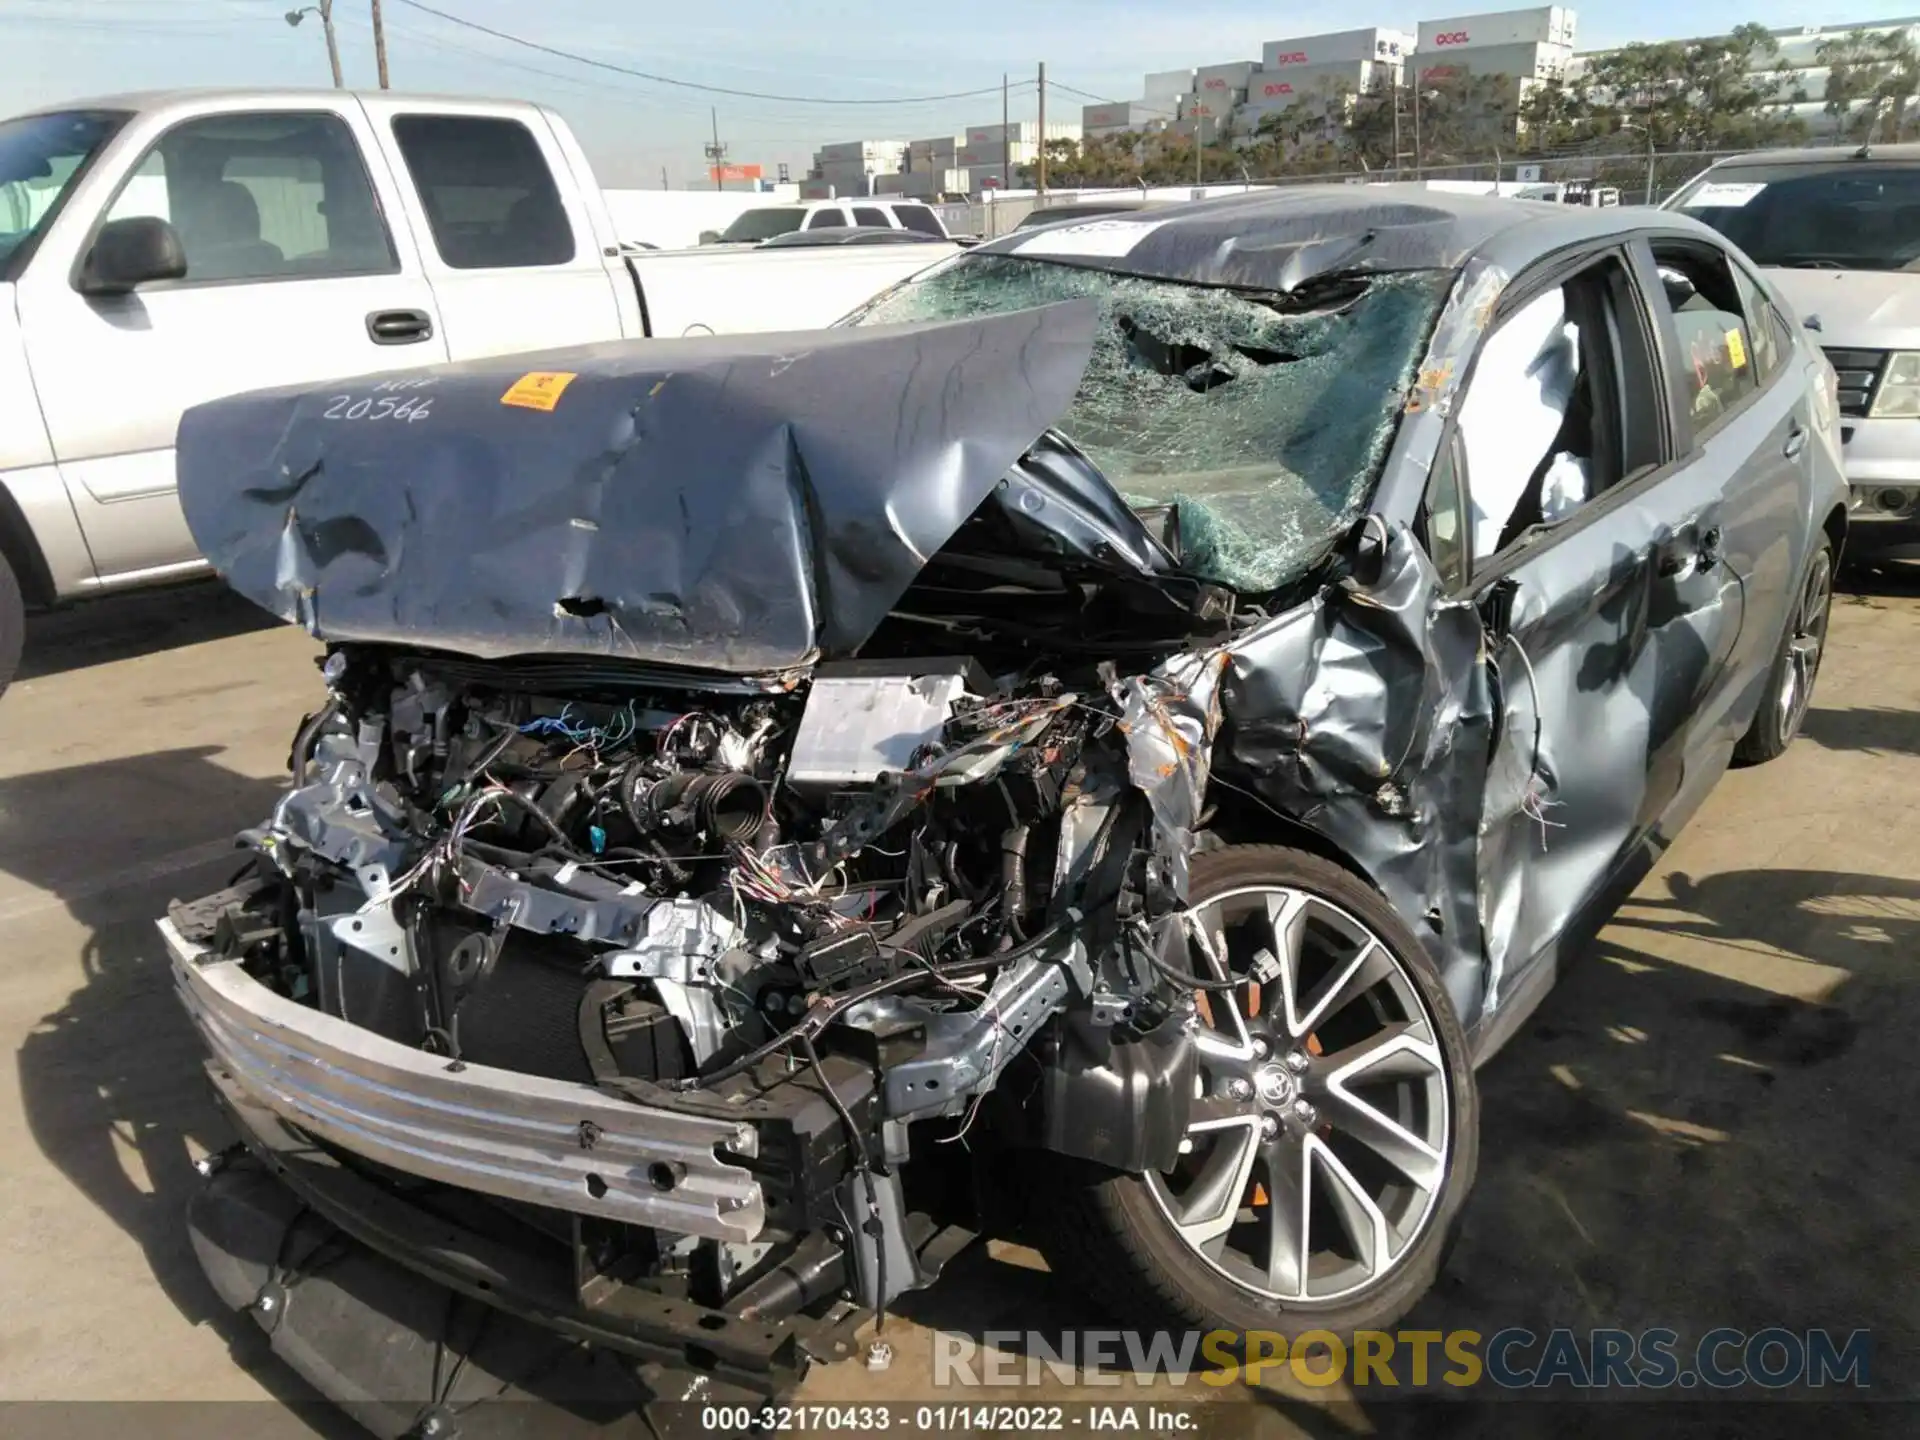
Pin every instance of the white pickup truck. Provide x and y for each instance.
(164, 249)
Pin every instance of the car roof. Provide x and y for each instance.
(1821, 155)
(1259, 238)
(155, 99)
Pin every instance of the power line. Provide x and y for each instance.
(684, 84)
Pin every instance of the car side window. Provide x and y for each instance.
(1445, 519)
(870, 215)
(280, 195)
(919, 217)
(823, 219)
(490, 199)
(1764, 324)
(1541, 429)
(1715, 359)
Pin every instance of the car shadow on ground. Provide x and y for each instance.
(141, 622)
(111, 1082)
(1662, 1146)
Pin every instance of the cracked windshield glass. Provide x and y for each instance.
(1265, 417)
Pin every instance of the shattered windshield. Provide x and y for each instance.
(1264, 417)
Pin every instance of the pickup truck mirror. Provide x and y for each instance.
(131, 252)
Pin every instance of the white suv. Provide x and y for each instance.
(765, 222)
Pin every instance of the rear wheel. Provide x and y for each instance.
(13, 624)
(1795, 667)
(1334, 1127)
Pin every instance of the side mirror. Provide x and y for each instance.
(709, 237)
(128, 253)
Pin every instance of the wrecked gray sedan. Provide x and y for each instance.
(1101, 744)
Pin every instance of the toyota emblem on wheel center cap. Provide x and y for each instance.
(1275, 1084)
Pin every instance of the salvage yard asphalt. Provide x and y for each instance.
(1710, 1121)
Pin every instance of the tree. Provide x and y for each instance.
(1718, 93)
(1872, 78)
(1465, 116)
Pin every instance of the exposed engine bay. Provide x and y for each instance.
(874, 892)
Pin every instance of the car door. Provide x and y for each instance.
(1593, 540)
(292, 276)
(508, 248)
(1749, 421)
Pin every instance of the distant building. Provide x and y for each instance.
(1529, 47)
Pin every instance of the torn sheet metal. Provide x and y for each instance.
(1367, 716)
(745, 503)
(1170, 718)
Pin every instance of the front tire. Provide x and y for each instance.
(1795, 666)
(1335, 1129)
(13, 624)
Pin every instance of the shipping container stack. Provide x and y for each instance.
(1320, 69)
(851, 167)
(1525, 46)
(992, 151)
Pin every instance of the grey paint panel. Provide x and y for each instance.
(741, 504)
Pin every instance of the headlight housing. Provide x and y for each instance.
(1898, 396)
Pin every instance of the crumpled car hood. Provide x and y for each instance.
(745, 504)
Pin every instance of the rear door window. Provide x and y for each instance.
(1765, 325)
(824, 219)
(870, 215)
(1715, 358)
(490, 199)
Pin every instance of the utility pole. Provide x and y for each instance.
(1006, 136)
(663, 179)
(716, 152)
(1198, 121)
(380, 45)
(1041, 189)
(1397, 169)
(324, 9)
(1417, 160)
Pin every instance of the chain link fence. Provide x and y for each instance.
(1640, 176)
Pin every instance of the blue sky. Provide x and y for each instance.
(52, 50)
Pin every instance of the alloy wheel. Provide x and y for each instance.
(1320, 1132)
(1805, 645)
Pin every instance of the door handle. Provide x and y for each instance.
(399, 327)
(1796, 441)
(1690, 552)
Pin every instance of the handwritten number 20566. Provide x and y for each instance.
(384, 407)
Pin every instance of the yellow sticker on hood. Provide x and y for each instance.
(539, 389)
(1736, 350)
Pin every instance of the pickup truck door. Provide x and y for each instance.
(515, 238)
(293, 276)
